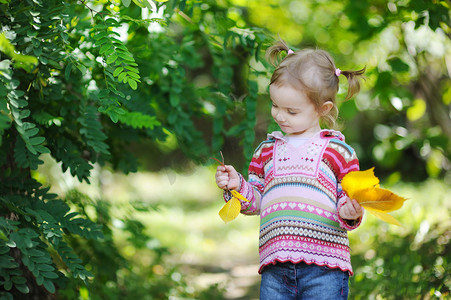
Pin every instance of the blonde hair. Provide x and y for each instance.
(314, 73)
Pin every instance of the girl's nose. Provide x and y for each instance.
(280, 117)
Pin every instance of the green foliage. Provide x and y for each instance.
(119, 63)
(401, 268)
(84, 82)
(91, 130)
(34, 229)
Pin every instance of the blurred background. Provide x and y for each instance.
(195, 84)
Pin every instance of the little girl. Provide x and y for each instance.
(294, 182)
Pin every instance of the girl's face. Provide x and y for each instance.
(293, 111)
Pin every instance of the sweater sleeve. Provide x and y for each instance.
(253, 188)
(342, 159)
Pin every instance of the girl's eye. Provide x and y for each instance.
(292, 113)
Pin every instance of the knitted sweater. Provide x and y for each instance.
(297, 193)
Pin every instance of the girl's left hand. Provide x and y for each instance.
(351, 210)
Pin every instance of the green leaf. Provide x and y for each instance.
(3, 237)
(134, 75)
(81, 68)
(8, 285)
(174, 99)
(55, 64)
(126, 56)
(111, 22)
(42, 149)
(32, 132)
(45, 268)
(18, 280)
(23, 288)
(67, 71)
(41, 260)
(25, 113)
(36, 253)
(37, 51)
(398, 65)
(132, 69)
(111, 59)
(104, 48)
(103, 40)
(122, 76)
(118, 71)
(132, 83)
(113, 116)
(139, 3)
(49, 286)
(31, 149)
(101, 32)
(50, 275)
(17, 93)
(11, 244)
(139, 120)
(37, 140)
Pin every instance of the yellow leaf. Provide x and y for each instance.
(238, 195)
(363, 186)
(230, 210)
(384, 216)
(359, 180)
(379, 199)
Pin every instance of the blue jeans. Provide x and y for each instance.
(285, 281)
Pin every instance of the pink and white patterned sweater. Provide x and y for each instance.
(297, 193)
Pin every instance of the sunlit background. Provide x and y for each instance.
(203, 89)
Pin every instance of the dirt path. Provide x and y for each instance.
(240, 282)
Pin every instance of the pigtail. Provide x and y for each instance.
(353, 81)
(273, 52)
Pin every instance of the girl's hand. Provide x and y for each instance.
(351, 210)
(227, 178)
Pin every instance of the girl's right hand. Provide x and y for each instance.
(227, 178)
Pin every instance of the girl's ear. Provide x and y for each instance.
(326, 107)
